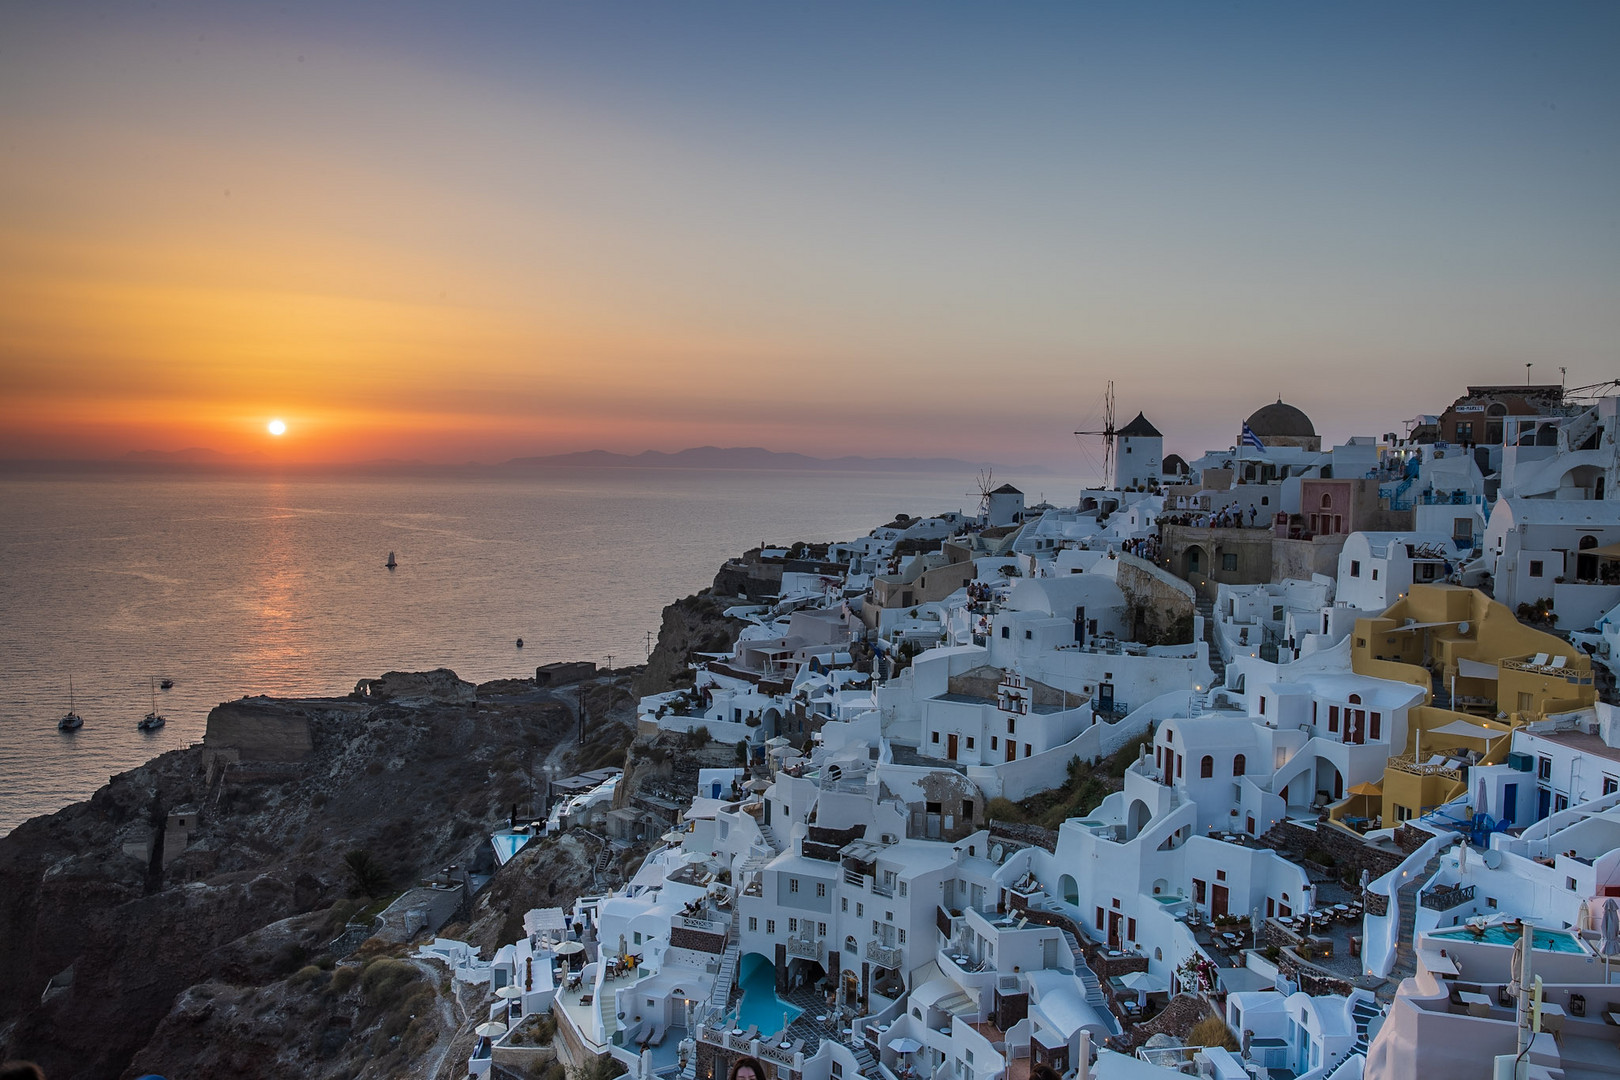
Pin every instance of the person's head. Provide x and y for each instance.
(747, 1068)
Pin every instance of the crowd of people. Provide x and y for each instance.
(1230, 516)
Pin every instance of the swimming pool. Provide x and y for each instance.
(1502, 934)
(760, 1006)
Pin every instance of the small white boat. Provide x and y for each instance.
(152, 720)
(72, 721)
(391, 563)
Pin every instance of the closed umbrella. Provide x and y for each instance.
(1611, 927)
(1462, 857)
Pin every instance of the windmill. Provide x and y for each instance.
(986, 485)
(1108, 433)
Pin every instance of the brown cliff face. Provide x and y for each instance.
(414, 785)
(691, 626)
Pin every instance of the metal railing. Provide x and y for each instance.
(1446, 897)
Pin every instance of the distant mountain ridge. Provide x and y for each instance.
(753, 457)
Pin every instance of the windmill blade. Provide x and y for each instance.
(1108, 432)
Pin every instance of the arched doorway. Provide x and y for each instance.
(1136, 818)
(1070, 889)
(1195, 560)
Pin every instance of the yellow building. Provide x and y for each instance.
(1460, 645)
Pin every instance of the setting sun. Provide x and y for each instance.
(276, 427)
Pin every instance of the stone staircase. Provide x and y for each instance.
(1364, 1013)
(1217, 663)
(863, 1060)
(769, 836)
(1407, 897)
(1088, 979)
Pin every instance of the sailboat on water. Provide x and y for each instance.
(153, 720)
(391, 563)
(72, 721)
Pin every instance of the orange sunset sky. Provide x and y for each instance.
(478, 232)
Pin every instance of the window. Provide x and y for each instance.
(1220, 875)
(993, 741)
(1012, 725)
(1333, 718)
(1544, 768)
(1006, 631)
(1229, 561)
(902, 937)
(1490, 902)
(843, 903)
(1355, 567)
(753, 923)
(849, 944)
(1560, 802)
(1535, 567)
(970, 742)
(1374, 725)
(902, 888)
(1028, 749)
(1375, 573)
(967, 814)
(821, 888)
(793, 884)
(1569, 883)
(1239, 763)
(638, 937)
(1262, 706)
(935, 737)
(860, 909)
(793, 926)
(1610, 785)
(1029, 635)
(770, 926)
(1206, 767)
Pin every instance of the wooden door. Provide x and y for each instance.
(1217, 901)
(950, 746)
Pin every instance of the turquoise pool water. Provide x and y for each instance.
(1547, 940)
(759, 1005)
(1169, 899)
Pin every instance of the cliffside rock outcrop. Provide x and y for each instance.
(694, 625)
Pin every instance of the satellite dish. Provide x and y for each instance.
(1493, 859)
(995, 853)
(1462, 628)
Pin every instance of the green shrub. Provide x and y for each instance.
(384, 981)
(343, 979)
(1211, 1031)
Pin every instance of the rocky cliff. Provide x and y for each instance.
(104, 935)
(694, 625)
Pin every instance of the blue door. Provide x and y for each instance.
(1543, 803)
(1510, 802)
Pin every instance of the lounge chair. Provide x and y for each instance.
(1558, 662)
(1538, 660)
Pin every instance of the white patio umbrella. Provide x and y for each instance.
(778, 741)
(905, 1045)
(759, 785)
(695, 857)
(1144, 982)
(569, 948)
(508, 993)
(492, 1029)
(674, 836)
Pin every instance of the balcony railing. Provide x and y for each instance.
(1447, 897)
(806, 948)
(880, 889)
(882, 955)
(1406, 764)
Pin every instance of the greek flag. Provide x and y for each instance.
(1251, 439)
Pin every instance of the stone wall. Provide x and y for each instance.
(1024, 835)
(682, 937)
(565, 674)
(1161, 605)
(1350, 853)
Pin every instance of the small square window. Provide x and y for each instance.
(935, 736)
(993, 741)
(1029, 635)
(1229, 561)
(1355, 567)
(770, 926)
(1535, 567)
(1006, 631)
(753, 923)
(970, 742)
(821, 888)
(793, 885)
(1569, 883)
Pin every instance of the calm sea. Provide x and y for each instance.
(277, 586)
